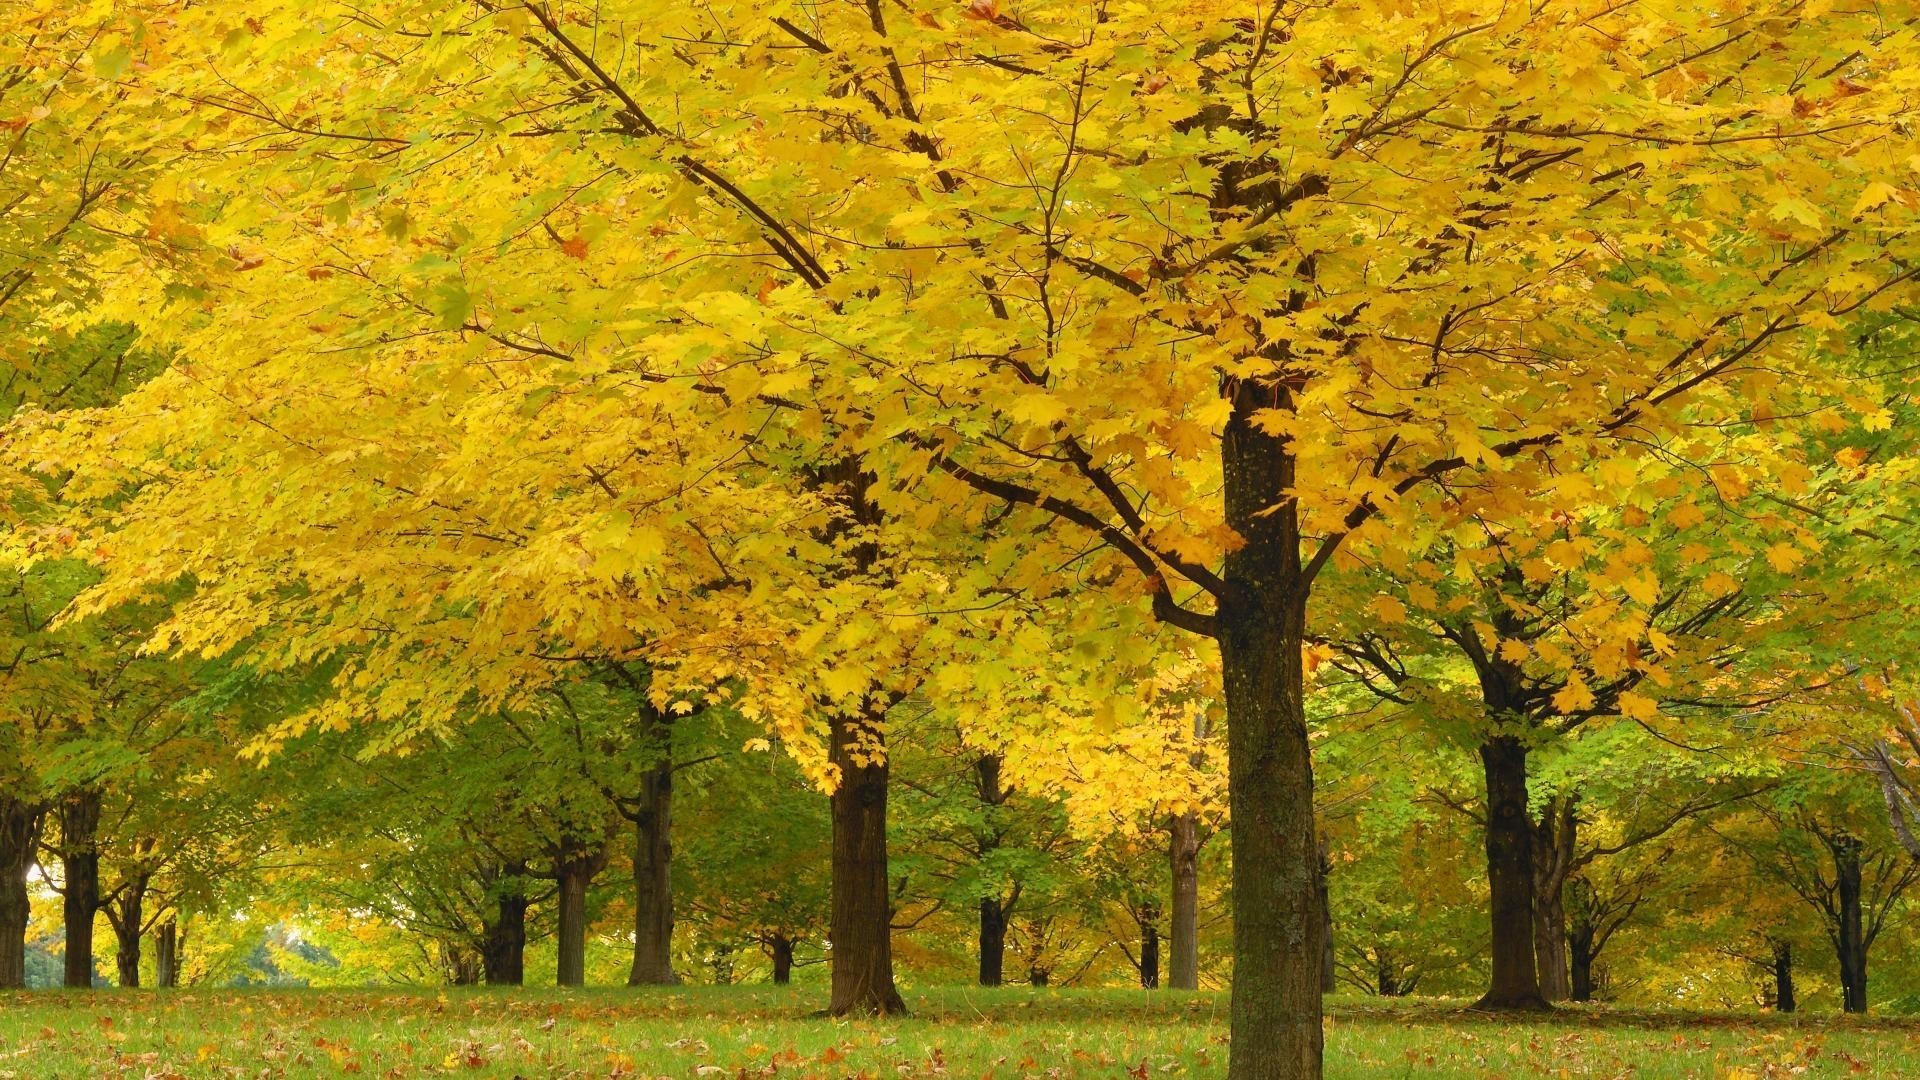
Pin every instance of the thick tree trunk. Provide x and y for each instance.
(19, 835)
(782, 949)
(1550, 945)
(860, 922)
(1850, 936)
(166, 955)
(1278, 923)
(574, 870)
(993, 941)
(1554, 838)
(653, 881)
(503, 952)
(80, 867)
(129, 912)
(1515, 982)
(1038, 976)
(1183, 856)
(1149, 955)
(1783, 1000)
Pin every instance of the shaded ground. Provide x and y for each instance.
(714, 1033)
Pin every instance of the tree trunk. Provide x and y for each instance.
(1149, 954)
(80, 866)
(1783, 977)
(503, 952)
(1183, 855)
(1038, 976)
(574, 869)
(128, 916)
(1554, 837)
(1580, 970)
(462, 965)
(1850, 935)
(1386, 973)
(19, 835)
(988, 838)
(166, 955)
(993, 941)
(860, 922)
(1515, 983)
(652, 878)
(782, 949)
(1275, 1024)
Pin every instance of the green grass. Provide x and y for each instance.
(710, 1033)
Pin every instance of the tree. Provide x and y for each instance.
(1227, 298)
(1816, 843)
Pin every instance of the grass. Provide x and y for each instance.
(715, 1033)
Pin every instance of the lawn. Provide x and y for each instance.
(1011, 1034)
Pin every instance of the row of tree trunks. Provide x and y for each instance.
(19, 836)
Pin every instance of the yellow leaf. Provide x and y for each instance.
(1644, 588)
(1574, 697)
(1388, 610)
(1874, 195)
(1634, 706)
(1784, 557)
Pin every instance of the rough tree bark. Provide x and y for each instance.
(503, 951)
(993, 942)
(994, 911)
(1554, 838)
(80, 867)
(1261, 627)
(1515, 983)
(19, 836)
(1849, 936)
(1783, 1000)
(574, 869)
(780, 950)
(1580, 969)
(166, 955)
(653, 866)
(1183, 857)
(1150, 949)
(860, 922)
(127, 914)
